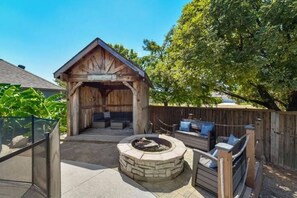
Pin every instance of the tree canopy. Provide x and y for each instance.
(129, 54)
(157, 65)
(245, 49)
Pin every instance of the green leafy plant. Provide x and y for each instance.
(16, 101)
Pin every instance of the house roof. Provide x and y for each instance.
(98, 42)
(12, 74)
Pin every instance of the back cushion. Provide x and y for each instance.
(197, 124)
(185, 126)
(232, 140)
(237, 147)
(115, 115)
(98, 116)
(106, 114)
(206, 128)
(122, 115)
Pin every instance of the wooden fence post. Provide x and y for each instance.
(274, 134)
(259, 149)
(227, 173)
(250, 153)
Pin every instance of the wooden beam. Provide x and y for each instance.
(227, 181)
(64, 77)
(85, 78)
(108, 105)
(250, 153)
(132, 88)
(119, 68)
(109, 65)
(105, 87)
(72, 91)
(102, 77)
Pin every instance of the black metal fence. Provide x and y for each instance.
(29, 157)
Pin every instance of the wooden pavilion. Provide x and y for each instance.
(99, 79)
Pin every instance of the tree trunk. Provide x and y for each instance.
(165, 104)
(268, 100)
(292, 104)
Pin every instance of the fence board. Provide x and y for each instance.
(279, 134)
(295, 143)
(281, 141)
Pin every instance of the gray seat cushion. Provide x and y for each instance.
(192, 133)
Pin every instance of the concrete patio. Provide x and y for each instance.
(109, 178)
(81, 179)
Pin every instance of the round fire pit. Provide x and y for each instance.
(151, 157)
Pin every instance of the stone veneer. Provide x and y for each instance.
(151, 166)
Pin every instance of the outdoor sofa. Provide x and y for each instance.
(100, 121)
(116, 120)
(119, 120)
(195, 136)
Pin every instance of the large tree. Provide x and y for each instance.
(245, 49)
(158, 68)
(129, 54)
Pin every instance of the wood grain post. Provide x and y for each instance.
(227, 174)
(69, 123)
(259, 150)
(250, 153)
(274, 134)
(75, 112)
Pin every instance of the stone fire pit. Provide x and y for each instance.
(151, 165)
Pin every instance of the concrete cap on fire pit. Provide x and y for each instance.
(177, 149)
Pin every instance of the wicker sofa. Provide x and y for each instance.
(193, 138)
(119, 120)
(116, 120)
(100, 121)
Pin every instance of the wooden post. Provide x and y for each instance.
(134, 88)
(274, 150)
(75, 112)
(227, 174)
(136, 128)
(250, 153)
(104, 95)
(140, 105)
(259, 150)
(69, 100)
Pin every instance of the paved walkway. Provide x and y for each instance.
(81, 179)
(97, 135)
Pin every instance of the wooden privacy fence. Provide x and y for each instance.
(277, 134)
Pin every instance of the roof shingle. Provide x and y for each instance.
(12, 74)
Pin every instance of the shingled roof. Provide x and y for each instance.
(12, 74)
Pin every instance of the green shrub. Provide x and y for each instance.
(16, 101)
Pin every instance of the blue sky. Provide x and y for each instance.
(44, 34)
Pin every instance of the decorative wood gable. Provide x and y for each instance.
(99, 62)
(100, 65)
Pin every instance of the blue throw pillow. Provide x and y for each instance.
(206, 129)
(232, 140)
(185, 126)
(213, 164)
